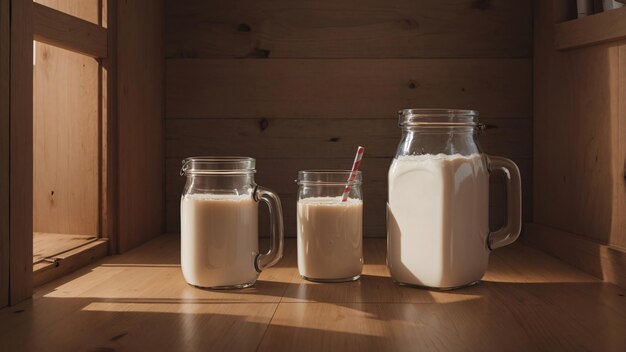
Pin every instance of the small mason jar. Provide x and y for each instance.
(219, 223)
(330, 226)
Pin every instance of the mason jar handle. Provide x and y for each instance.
(508, 233)
(277, 238)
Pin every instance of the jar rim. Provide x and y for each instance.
(438, 117)
(327, 177)
(218, 165)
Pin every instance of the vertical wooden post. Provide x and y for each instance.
(21, 152)
(140, 72)
(4, 151)
(109, 179)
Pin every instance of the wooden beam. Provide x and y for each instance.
(140, 66)
(4, 151)
(596, 29)
(108, 169)
(619, 157)
(21, 154)
(68, 32)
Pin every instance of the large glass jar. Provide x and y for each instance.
(219, 223)
(438, 207)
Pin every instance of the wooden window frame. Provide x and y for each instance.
(28, 21)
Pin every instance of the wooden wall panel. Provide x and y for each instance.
(4, 151)
(348, 28)
(66, 129)
(21, 153)
(579, 145)
(318, 79)
(573, 144)
(140, 120)
(319, 138)
(578, 163)
(66, 132)
(345, 88)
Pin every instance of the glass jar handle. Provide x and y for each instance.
(508, 233)
(265, 260)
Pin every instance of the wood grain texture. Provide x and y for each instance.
(365, 88)
(591, 30)
(68, 261)
(140, 121)
(619, 207)
(21, 153)
(66, 151)
(87, 10)
(279, 175)
(138, 300)
(348, 29)
(68, 32)
(603, 261)
(578, 163)
(319, 138)
(5, 71)
(618, 224)
(47, 245)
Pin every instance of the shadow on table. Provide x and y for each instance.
(370, 314)
(105, 325)
(490, 316)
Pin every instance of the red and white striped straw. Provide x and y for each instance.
(355, 168)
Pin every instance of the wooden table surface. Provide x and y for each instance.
(139, 301)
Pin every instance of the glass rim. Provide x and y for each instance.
(341, 176)
(438, 117)
(218, 165)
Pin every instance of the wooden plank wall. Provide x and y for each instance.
(298, 85)
(580, 146)
(140, 120)
(66, 132)
(4, 151)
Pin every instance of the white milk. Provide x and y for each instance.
(219, 239)
(330, 238)
(438, 219)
